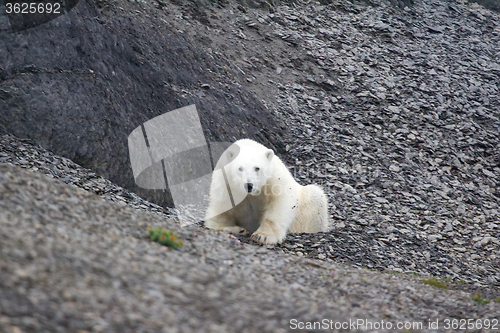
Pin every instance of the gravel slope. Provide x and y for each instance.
(394, 111)
(71, 260)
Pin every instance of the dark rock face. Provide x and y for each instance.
(79, 84)
(490, 4)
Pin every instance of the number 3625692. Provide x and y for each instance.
(33, 8)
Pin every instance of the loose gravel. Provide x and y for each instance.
(394, 111)
(73, 260)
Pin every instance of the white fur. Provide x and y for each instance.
(276, 204)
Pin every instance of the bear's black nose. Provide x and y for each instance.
(249, 187)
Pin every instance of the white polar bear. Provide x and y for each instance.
(254, 192)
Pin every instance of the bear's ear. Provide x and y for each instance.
(231, 153)
(269, 154)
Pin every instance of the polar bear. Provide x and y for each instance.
(254, 192)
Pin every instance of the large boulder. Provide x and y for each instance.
(82, 82)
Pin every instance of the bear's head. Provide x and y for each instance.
(250, 168)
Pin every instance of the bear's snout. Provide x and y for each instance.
(248, 187)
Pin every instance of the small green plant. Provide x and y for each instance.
(479, 299)
(497, 300)
(446, 279)
(434, 282)
(164, 237)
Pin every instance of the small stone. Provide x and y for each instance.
(330, 83)
(489, 173)
(394, 167)
(482, 242)
(381, 26)
(436, 29)
(393, 109)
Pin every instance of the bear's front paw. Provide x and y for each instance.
(266, 238)
(235, 230)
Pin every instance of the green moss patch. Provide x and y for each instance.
(479, 299)
(165, 237)
(435, 282)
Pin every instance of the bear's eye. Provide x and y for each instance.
(240, 168)
(257, 168)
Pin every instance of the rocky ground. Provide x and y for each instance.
(395, 111)
(75, 261)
